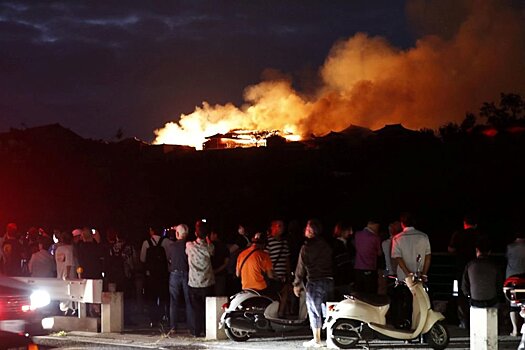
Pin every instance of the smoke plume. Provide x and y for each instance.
(469, 53)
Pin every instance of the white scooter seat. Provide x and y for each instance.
(372, 299)
(272, 310)
(272, 314)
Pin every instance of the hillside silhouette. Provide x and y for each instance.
(54, 178)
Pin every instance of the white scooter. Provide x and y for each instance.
(364, 317)
(250, 314)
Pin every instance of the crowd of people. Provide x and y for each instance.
(180, 267)
(80, 253)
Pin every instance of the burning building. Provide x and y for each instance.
(246, 138)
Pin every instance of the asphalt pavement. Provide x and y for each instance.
(158, 339)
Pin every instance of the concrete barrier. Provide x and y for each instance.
(483, 328)
(213, 315)
(112, 313)
(68, 324)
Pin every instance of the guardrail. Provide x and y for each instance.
(81, 291)
(442, 274)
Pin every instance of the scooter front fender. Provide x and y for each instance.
(432, 318)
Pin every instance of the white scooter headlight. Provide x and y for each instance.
(39, 298)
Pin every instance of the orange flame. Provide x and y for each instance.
(271, 105)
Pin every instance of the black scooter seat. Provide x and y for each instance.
(372, 299)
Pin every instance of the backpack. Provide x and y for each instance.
(156, 260)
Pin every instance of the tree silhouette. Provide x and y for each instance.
(509, 112)
(449, 131)
(468, 123)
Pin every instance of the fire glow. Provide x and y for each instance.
(246, 138)
(270, 106)
(368, 82)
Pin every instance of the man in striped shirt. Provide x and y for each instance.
(277, 247)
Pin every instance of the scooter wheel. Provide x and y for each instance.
(438, 336)
(346, 333)
(236, 334)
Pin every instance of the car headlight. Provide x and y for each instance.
(39, 298)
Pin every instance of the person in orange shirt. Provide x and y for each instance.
(253, 264)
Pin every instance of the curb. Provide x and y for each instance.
(159, 341)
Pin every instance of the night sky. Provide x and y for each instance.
(99, 66)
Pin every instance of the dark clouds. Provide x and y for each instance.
(99, 66)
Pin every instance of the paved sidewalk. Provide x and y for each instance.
(156, 339)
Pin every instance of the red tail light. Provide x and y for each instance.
(13, 304)
(225, 306)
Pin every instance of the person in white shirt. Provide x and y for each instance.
(66, 264)
(42, 263)
(155, 238)
(200, 277)
(65, 257)
(391, 267)
(406, 247)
